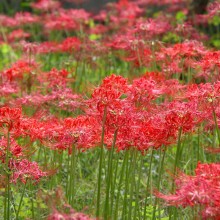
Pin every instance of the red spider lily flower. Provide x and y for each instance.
(67, 212)
(101, 16)
(46, 5)
(187, 49)
(7, 21)
(209, 64)
(180, 57)
(10, 116)
(169, 5)
(152, 27)
(54, 78)
(50, 132)
(111, 90)
(48, 47)
(153, 133)
(79, 15)
(63, 99)
(203, 189)
(29, 48)
(213, 8)
(84, 130)
(99, 29)
(18, 70)
(145, 90)
(201, 19)
(25, 170)
(73, 215)
(24, 18)
(127, 10)
(18, 34)
(15, 149)
(8, 88)
(60, 22)
(70, 44)
(182, 115)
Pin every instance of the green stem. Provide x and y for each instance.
(125, 162)
(22, 195)
(132, 184)
(148, 183)
(109, 176)
(138, 187)
(100, 163)
(177, 158)
(7, 188)
(127, 182)
(114, 183)
(72, 176)
(159, 182)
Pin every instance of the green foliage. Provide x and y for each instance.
(159, 215)
(180, 17)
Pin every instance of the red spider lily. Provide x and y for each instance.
(111, 90)
(209, 64)
(8, 88)
(79, 15)
(62, 99)
(18, 35)
(7, 21)
(42, 129)
(145, 90)
(124, 42)
(70, 44)
(152, 27)
(203, 92)
(73, 215)
(99, 29)
(29, 48)
(48, 47)
(201, 19)
(201, 189)
(185, 53)
(67, 213)
(153, 133)
(136, 49)
(127, 10)
(46, 5)
(101, 16)
(126, 107)
(54, 78)
(180, 57)
(15, 149)
(172, 5)
(49, 131)
(213, 8)
(10, 117)
(206, 97)
(61, 21)
(85, 131)
(26, 18)
(18, 70)
(182, 115)
(25, 170)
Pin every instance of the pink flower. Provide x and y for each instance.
(202, 189)
(24, 170)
